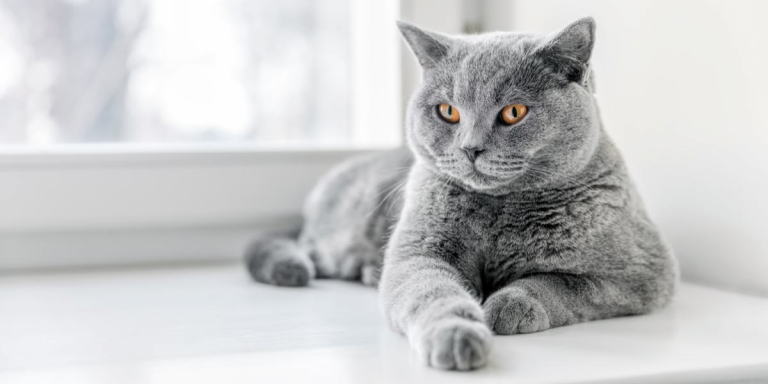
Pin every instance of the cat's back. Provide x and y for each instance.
(349, 214)
(358, 182)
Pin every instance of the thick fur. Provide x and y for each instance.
(543, 229)
(348, 218)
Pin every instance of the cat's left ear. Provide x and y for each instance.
(568, 52)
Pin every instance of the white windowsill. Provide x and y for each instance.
(212, 324)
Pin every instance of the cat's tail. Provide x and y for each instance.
(277, 258)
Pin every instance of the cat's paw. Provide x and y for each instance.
(511, 310)
(290, 273)
(455, 343)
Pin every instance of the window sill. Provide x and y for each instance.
(99, 155)
(212, 324)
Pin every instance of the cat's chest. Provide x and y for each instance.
(514, 228)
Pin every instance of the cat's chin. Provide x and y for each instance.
(477, 181)
(481, 182)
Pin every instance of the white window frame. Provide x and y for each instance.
(113, 204)
(84, 208)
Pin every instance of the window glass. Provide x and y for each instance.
(160, 71)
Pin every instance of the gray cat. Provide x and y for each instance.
(511, 213)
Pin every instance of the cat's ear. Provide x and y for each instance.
(568, 51)
(428, 47)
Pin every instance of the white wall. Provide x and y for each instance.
(683, 88)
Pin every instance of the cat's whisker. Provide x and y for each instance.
(447, 160)
(399, 187)
(507, 168)
(389, 192)
(567, 178)
(448, 180)
(500, 162)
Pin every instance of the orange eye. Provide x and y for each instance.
(448, 113)
(512, 114)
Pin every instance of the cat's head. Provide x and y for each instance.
(504, 111)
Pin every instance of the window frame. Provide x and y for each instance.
(117, 207)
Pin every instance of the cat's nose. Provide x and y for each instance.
(472, 152)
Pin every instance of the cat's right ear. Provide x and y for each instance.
(429, 47)
(569, 51)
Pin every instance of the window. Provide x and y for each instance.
(270, 73)
(161, 130)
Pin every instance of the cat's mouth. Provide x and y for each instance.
(483, 174)
(505, 173)
(480, 180)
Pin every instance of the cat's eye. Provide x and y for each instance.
(448, 113)
(512, 114)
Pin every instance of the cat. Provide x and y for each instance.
(510, 212)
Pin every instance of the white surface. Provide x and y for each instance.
(211, 324)
(148, 246)
(682, 89)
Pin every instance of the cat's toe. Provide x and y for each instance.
(456, 344)
(290, 273)
(511, 311)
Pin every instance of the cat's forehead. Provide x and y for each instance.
(488, 68)
(494, 40)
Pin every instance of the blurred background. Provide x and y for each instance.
(145, 131)
(149, 71)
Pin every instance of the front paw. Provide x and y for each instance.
(455, 343)
(511, 310)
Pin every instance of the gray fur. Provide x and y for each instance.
(348, 218)
(543, 229)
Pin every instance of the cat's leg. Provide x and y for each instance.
(356, 258)
(370, 274)
(278, 259)
(542, 301)
(428, 300)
